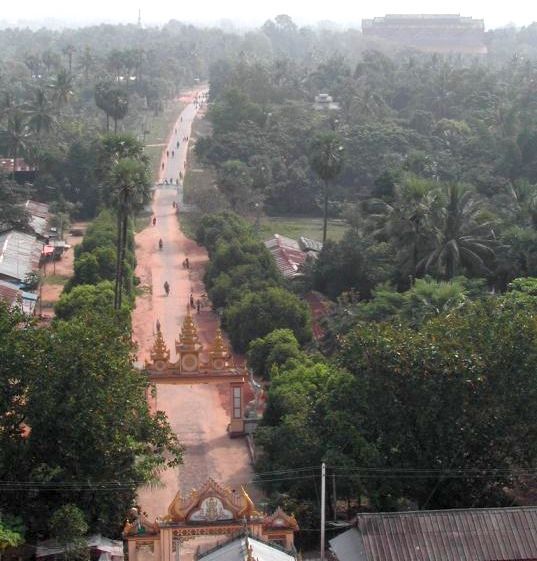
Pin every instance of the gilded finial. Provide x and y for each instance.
(248, 510)
(219, 347)
(188, 338)
(159, 351)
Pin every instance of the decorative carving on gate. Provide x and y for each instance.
(211, 503)
(213, 510)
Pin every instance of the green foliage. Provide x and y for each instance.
(356, 262)
(256, 314)
(456, 392)
(273, 350)
(11, 533)
(87, 299)
(68, 525)
(242, 278)
(314, 413)
(88, 418)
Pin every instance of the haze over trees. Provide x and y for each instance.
(420, 393)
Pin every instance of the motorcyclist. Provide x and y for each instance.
(166, 288)
(160, 244)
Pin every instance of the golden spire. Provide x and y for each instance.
(219, 348)
(188, 339)
(159, 351)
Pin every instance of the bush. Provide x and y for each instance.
(256, 314)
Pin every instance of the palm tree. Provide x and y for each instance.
(130, 181)
(62, 89)
(17, 134)
(118, 105)
(86, 63)
(68, 51)
(463, 236)
(326, 155)
(405, 220)
(39, 111)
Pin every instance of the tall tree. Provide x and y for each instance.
(62, 89)
(463, 234)
(130, 181)
(326, 155)
(18, 135)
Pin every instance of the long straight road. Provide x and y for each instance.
(198, 414)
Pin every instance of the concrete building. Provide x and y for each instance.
(431, 33)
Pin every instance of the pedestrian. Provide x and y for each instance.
(191, 300)
(177, 145)
(180, 175)
(173, 204)
(167, 153)
(158, 325)
(162, 165)
(175, 131)
(198, 305)
(187, 263)
(154, 220)
(173, 153)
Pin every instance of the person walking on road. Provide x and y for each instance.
(166, 288)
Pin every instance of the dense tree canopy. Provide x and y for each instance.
(73, 385)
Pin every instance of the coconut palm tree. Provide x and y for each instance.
(62, 89)
(462, 236)
(39, 111)
(326, 156)
(17, 135)
(405, 220)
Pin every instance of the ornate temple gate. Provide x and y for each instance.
(192, 368)
(214, 510)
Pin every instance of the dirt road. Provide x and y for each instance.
(198, 414)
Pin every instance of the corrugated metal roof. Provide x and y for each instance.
(236, 550)
(287, 254)
(19, 254)
(307, 244)
(501, 534)
(39, 216)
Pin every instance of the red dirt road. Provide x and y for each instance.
(198, 414)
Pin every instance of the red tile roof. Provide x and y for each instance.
(500, 534)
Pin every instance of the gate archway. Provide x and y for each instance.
(213, 510)
(193, 366)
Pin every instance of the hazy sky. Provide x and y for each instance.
(496, 13)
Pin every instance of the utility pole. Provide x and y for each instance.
(323, 506)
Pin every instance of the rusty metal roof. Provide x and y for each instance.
(287, 254)
(498, 534)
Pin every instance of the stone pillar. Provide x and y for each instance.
(166, 544)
